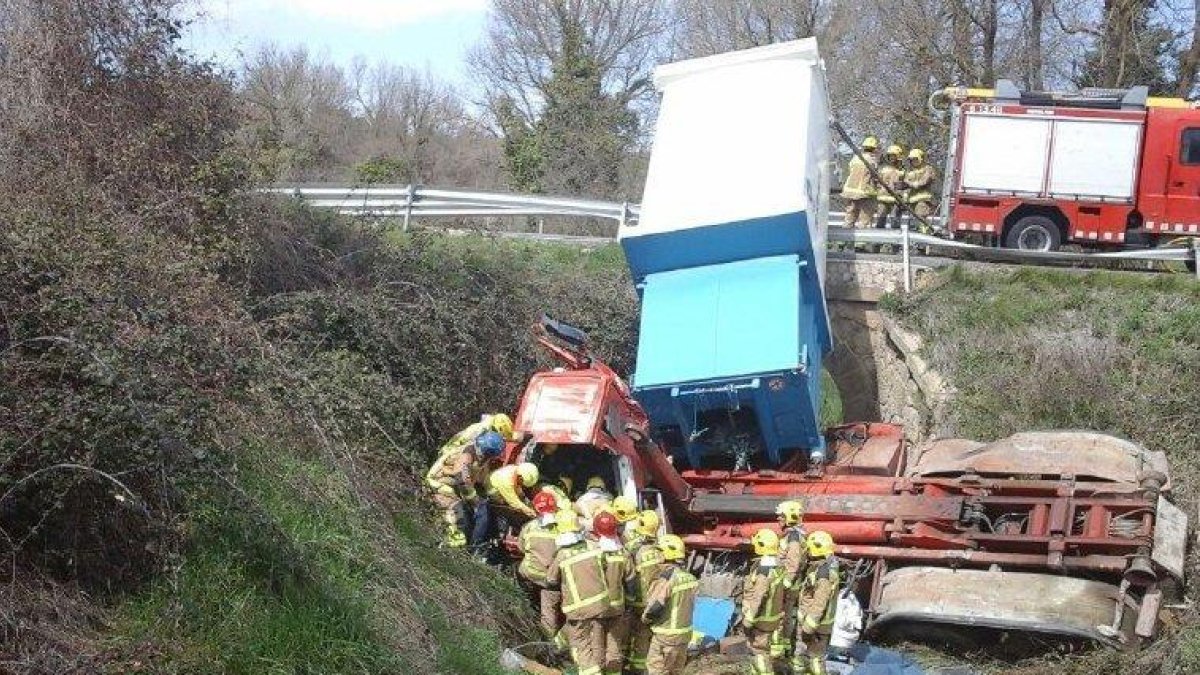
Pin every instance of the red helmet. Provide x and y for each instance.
(544, 502)
(605, 524)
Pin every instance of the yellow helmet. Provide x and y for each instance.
(568, 485)
(566, 520)
(790, 511)
(916, 153)
(870, 143)
(503, 425)
(596, 482)
(895, 150)
(672, 547)
(647, 523)
(820, 544)
(765, 542)
(528, 473)
(624, 508)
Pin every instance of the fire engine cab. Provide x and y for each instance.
(1035, 170)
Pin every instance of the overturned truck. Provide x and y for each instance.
(1061, 532)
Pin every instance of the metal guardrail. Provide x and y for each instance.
(408, 202)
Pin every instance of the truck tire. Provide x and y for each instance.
(1034, 233)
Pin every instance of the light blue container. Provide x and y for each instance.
(741, 339)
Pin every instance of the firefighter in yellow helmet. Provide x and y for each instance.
(793, 558)
(647, 554)
(918, 181)
(859, 189)
(497, 422)
(762, 601)
(452, 479)
(537, 541)
(507, 485)
(818, 604)
(670, 601)
(577, 570)
(891, 175)
(593, 499)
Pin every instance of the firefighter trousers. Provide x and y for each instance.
(549, 602)
(667, 654)
(809, 658)
(586, 640)
(639, 644)
(614, 640)
(760, 643)
(860, 212)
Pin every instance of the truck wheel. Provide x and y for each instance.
(1034, 233)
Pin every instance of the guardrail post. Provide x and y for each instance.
(1196, 255)
(905, 257)
(408, 204)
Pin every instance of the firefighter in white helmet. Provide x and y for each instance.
(859, 189)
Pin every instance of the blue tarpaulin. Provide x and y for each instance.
(711, 616)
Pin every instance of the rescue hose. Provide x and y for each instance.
(837, 126)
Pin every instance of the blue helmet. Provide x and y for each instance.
(490, 444)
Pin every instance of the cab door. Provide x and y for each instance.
(1182, 213)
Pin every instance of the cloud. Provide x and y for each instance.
(368, 14)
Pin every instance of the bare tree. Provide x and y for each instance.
(297, 110)
(713, 26)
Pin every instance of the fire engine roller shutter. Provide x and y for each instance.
(1094, 159)
(1005, 155)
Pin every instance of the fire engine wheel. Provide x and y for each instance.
(1034, 233)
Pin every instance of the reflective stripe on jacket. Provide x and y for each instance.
(818, 597)
(918, 181)
(674, 590)
(795, 556)
(619, 574)
(537, 549)
(577, 571)
(762, 598)
(647, 558)
(859, 183)
(890, 175)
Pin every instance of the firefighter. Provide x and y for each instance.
(793, 555)
(858, 191)
(577, 572)
(762, 601)
(918, 181)
(537, 541)
(453, 477)
(642, 529)
(505, 487)
(497, 422)
(620, 580)
(646, 553)
(595, 497)
(818, 604)
(891, 175)
(669, 604)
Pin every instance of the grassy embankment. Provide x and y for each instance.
(1113, 352)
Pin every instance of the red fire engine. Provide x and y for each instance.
(1034, 170)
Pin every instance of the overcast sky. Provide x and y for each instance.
(425, 34)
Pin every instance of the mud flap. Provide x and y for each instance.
(1019, 601)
